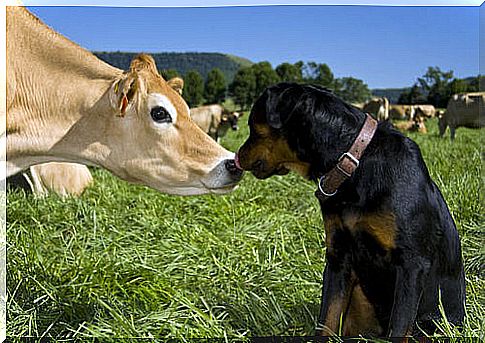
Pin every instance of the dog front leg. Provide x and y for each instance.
(336, 291)
(407, 294)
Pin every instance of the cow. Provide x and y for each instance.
(463, 110)
(358, 105)
(427, 111)
(378, 108)
(214, 120)
(63, 179)
(416, 124)
(66, 105)
(401, 112)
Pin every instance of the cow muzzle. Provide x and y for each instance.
(223, 178)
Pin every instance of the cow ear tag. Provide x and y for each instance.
(124, 105)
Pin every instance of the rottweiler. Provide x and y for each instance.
(392, 248)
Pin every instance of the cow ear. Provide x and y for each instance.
(123, 91)
(177, 84)
(143, 62)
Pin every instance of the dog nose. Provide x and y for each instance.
(236, 173)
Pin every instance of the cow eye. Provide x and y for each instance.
(160, 115)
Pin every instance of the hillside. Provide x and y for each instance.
(391, 93)
(203, 62)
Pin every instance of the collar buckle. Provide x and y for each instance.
(348, 162)
(352, 159)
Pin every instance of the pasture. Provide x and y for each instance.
(126, 261)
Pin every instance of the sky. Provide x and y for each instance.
(386, 47)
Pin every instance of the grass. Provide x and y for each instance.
(126, 261)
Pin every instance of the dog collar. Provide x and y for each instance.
(348, 162)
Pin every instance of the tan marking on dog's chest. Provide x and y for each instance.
(360, 318)
(381, 226)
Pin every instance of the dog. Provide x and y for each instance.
(392, 248)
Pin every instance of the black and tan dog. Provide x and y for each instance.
(392, 245)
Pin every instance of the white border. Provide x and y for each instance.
(158, 3)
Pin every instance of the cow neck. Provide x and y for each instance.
(348, 162)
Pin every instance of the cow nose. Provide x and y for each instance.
(232, 168)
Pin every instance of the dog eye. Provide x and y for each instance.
(160, 115)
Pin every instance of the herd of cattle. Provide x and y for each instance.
(463, 110)
(90, 113)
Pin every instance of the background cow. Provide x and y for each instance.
(415, 124)
(64, 179)
(378, 108)
(401, 112)
(427, 111)
(214, 120)
(463, 110)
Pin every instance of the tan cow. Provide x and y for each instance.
(463, 110)
(358, 105)
(417, 124)
(214, 120)
(66, 105)
(427, 111)
(64, 179)
(378, 108)
(401, 112)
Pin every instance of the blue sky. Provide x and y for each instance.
(384, 46)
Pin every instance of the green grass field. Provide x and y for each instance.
(126, 261)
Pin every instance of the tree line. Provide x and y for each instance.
(249, 82)
(436, 87)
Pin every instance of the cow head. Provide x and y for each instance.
(153, 142)
(419, 124)
(230, 119)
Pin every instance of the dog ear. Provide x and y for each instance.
(280, 107)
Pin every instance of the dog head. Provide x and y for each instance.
(301, 128)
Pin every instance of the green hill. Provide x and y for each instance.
(391, 93)
(203, 62)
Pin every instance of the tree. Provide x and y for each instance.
(193, 88)
(265, 76)
(243, 87)
(474, 85)
(457, 86)
(435, 83)
(412, 96)
(168, 74)
(289, 72)
(215, 87)
(320, 74)
(351, 89)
